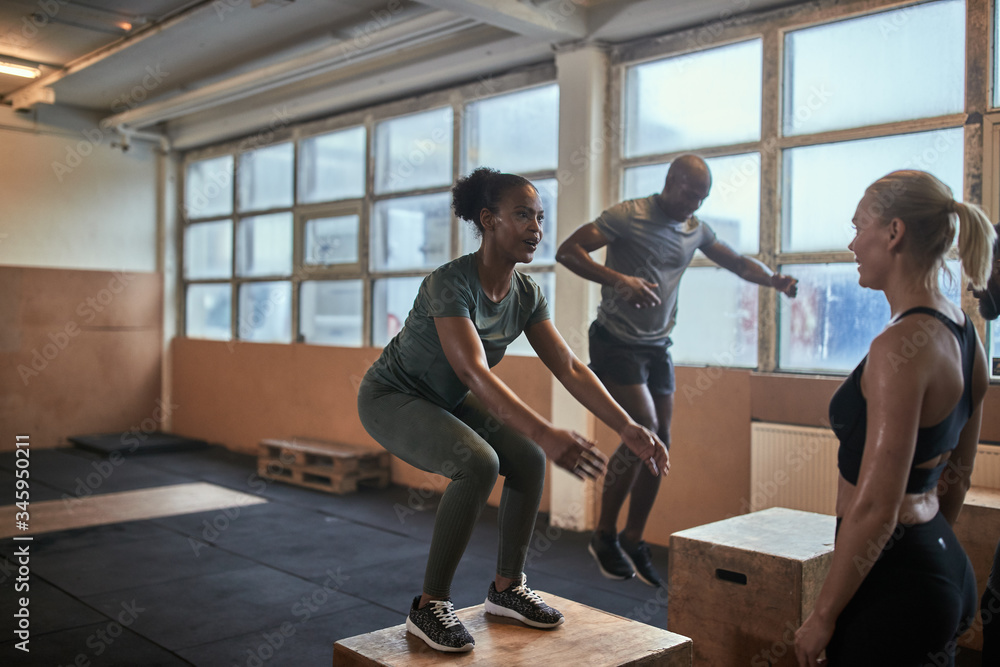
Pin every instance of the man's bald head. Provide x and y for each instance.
(690, 167)
(686, 186)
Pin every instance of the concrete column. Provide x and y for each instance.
(584, 142)
(168, 265)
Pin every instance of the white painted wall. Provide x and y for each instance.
(68, 199)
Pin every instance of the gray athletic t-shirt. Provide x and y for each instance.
(644, 242)
(414, 361)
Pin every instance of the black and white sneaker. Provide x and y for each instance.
(609, 556)
(438, 625)
(641, 559)
(520, 602)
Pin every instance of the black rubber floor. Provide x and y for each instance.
(263, 585)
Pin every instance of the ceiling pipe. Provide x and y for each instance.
(29, 95)
(420, 30)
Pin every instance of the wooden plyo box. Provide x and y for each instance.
(589, 637)
(741, 587)
(326, 466)
(978, 529)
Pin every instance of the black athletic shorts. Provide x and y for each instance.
(631, 363)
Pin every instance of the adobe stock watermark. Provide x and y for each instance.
(302, 610)
(24, 34)
(103, 469)
(219, 183)
(92, 138)
(62, 338)
(101, 640)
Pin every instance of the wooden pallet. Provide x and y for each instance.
(326, 466)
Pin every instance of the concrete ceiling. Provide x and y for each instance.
(174, 66)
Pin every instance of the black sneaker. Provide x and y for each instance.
(522, 603)
(610, 557)
(642, 562)
(438, 625)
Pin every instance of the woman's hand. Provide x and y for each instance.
(643, 443)
(571, 451)
(811, 639)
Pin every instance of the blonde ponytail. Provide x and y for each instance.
(975, 243)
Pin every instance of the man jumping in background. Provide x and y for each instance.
(650, 243)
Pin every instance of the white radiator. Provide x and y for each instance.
(796, 467)
(793, 467)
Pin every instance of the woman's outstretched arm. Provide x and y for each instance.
(464, 351)
(587, 388)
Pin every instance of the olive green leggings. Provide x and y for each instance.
(471, 447)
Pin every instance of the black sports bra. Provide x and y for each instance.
(849, 416)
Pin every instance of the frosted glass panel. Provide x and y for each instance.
(515, 133)
(662, 114)
(265, 313)
(331, 240)
(330, 312)
(411, 232)
(716, 320)
(266, 177)
(208, 188)
(895, 65)
(332, 166)
(413, 152)
(208, 250)
(823, 184)
(832, 321)
(207, 311)
(264, 245)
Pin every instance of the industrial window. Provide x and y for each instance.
(661, 121)
(324, 235)
(842, 101)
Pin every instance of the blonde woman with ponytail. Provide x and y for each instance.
(900, 586)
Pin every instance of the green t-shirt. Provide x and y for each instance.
(414, 361)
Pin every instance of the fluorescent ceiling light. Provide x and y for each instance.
(19, 70)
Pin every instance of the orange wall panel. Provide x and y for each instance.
(81, 353)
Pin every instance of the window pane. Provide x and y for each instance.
(265, 314)
(732, 208)
(413, 152)
(207, 311)
(548, 192)
(823, 184)
(895, 65)
(331, 240)
(547, 281)
(660, 118)
(644, 181)
(411, 232)
(720, 330)
(515, 133)
(208, 250)
(264, 245)
(330, 312)
(832, 321)
(266, 177)
(332, 166)
(208, 188)
(392, 299)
